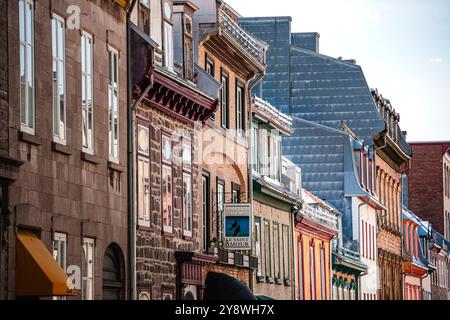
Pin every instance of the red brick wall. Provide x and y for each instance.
(425, 184)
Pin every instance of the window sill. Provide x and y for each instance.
(115, 167)
(269, 279)
(278, 281)
(61, 148)
(29, 138)
(287, 283)
(168, 234)
(89, 158)
(144, 227)
(188, 238)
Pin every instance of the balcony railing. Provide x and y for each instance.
(327, 219)
(254, 47)
(273, 112)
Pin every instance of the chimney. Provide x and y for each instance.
(306, 40)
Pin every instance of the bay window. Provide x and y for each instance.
(26, 35)
(86, 92)
(58, 80)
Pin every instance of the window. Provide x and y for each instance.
(323, 276)
(236, 192)
(209, 66)
(167, 197)
(275, 155)
(240, 112)
(220, 205)
(187, 187)
(144, 191)
(276, 251)
(144, 16)
(187, 204)
(86, 92)
(88, 269)
(205, 211)
(263, 153)
(257, 237)
(113, 104)
(286, 246)
(312, 266)
(58, 80)
(254, 146)
(267, 251)
(60, 252)
(224, 101)
(27, 103)
(188, 49)
(168, 44)
(300, 269)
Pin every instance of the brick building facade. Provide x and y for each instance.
(392, 158)
(69, 195)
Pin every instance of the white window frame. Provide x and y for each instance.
(90, 277)
(224, 100)
(239, 110)
(87, 76)
(144, 183)
(187, 206)
(168, 46)
(59, 120)
(255, 148)
(258, 245)
(60, 239)
(113, 108)
(27, 111)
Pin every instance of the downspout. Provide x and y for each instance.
(130, 167)
(258, 78)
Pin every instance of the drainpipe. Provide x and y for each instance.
(258, 78)
(130, 168)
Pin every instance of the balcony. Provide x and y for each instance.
(326, 219)
(267, 112)
(229, 42)
(254, 48)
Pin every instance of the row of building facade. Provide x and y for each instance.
(147, 143)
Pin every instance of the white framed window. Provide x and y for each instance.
(88, 269)
(187, 204)
(255, 148)
(60, 252)
(144, 191)
(113, 104)
(257, 237)
(312, 267)
(224, 101)
(187, 188)
(276, 251)
(87, 92)
(58, 79)
(301, 287)
(167, 183)
(240, 110)
(27, 91)
(168, 46)
(286, 252)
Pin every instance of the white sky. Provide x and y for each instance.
(403, 47)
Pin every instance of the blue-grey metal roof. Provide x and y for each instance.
(310, 85)
(320, 93)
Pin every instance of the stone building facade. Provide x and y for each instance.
(68, 198)
(177, 98)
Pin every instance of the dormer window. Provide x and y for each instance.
(168, 36)
(188, 49)
(144, 16)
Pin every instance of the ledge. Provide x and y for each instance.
(116, 167)
(29, 138)
(89, 158)
(57, 147)
(260, 279)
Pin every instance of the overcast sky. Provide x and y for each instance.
(403, 47)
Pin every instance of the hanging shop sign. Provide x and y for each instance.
(237, 226)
